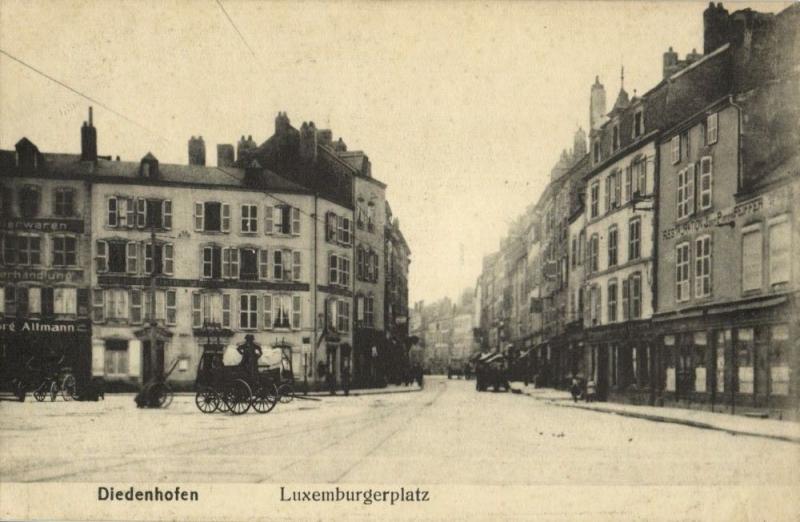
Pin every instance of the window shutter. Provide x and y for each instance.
(376, 269)
(83, 301)
(226, 217)
(130, 212)
(141, 212)
(166, 214)
(169, 263)
(226, 310)
(102, 256)
(98, 305)
(332, 269)
(226, 262)
(197, 313)
(630, 188)
(296, 265)
(267, 312)
(295, 221)
(198, 217)
(330, 226)
(296, 310)
(263, 263)
(268, 219)
(625, 299)
(690, 183)
(132, 255)
(234, 262)
(608, 193)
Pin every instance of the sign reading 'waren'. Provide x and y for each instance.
(42, 225)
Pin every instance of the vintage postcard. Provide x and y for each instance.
(356, 260)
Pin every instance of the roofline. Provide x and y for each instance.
(718, 50)
(651, 136)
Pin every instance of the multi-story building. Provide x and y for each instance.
(728, 185)
(171, 260)
(396, 313)
(45, 244)
(311, 158)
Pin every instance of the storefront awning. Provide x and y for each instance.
(756, 305)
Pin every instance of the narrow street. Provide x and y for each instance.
(446, 434)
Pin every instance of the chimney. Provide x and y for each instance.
(597, 104)
(308, 141)
(579, 144)
(670, 63)
(197, 151)
(716, 27)
(225, 155)
(244, 148)
(282, 124)
(89, 140)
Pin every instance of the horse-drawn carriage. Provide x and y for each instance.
(236, 388)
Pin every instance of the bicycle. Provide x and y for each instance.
(54, 383)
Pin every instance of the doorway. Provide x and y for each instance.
(150, 368)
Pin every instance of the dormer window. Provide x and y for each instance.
(149, 167)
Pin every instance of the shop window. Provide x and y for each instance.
(745, 348)
(64, 202)
(116, 358)
(779, 354)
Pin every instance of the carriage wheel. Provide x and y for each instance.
(238, 396)
(68, 387)
(265, 398)
(53, 390)
(163, 395)
(41, 392)
(207, 400)
(286, 393)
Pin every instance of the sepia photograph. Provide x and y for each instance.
(361, 260)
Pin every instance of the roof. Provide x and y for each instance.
(66, 166)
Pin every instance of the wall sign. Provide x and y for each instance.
(52, 276)
(53, 327)
(42, 225)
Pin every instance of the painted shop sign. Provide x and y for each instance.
(43, 327)
(42, 225)
(53, 276)
(778, 199)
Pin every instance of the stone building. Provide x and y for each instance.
(45, 244)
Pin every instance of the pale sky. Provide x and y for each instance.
(462, 107)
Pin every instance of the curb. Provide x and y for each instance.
(672, 420)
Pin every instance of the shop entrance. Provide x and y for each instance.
(684, 370)
(602, 372)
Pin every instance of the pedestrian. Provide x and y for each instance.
(250, 353)
(346, 379)
(575, 389)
